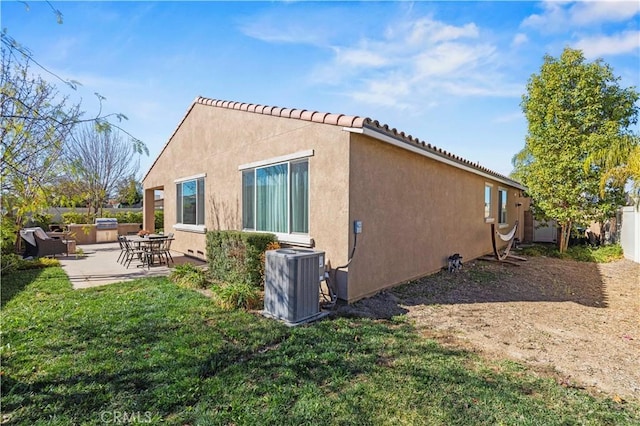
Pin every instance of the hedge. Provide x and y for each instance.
(236, 256)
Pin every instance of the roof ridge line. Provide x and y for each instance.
(299, 114)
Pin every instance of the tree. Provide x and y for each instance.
(35, 121)
(620, 163)
(574, 109)
(99, 162)
(129, 191)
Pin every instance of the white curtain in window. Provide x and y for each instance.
(271, 198)
(300, 197)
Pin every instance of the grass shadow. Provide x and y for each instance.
(149, 347)
(15, 283)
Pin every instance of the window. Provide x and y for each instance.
(190, 202)
(276, 198)
(502, 205)
(487, 201)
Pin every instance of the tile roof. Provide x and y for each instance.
(300, 114)
(350, 121)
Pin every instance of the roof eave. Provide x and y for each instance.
(430, 153)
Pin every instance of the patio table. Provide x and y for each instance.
(151, 244)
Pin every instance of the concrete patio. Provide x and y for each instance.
(99, 266)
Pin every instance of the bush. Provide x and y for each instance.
(189, 276)
(601, 254)
(43, 220)
(77, 218)
(12, 262)
(236, 296)
(236, 256)
(8, 234)
(158, 220)
(124, 216)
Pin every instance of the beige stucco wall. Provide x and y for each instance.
(415, 212)
(216, 141)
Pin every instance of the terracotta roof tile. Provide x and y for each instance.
(297, 113)
(332, 118)
(344, 121)
(307, 115)
(319, 117)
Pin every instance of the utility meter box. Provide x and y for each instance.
(292, 285)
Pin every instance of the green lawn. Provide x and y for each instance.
(149, 352)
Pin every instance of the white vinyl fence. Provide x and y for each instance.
(630, 233)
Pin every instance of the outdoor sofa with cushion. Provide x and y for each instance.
(39, 244)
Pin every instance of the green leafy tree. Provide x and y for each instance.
(35, 121)
(574, 109)
(620, 163)
(129, 191)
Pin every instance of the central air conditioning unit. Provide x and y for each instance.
(292, 285)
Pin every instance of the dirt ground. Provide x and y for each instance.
(578, 322)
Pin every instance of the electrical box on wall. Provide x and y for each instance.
(357, 227)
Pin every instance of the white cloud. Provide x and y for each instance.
(553, 18)
(557, 16)
(427, 30)
(416, 61)
(519, 39)
(585, 13)
(359, 57)
(617, 44)
(448, 59)
(388, 93)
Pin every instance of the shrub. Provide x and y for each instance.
(8, 233)
(12, 262)
(124, 216)
(236, 256)
(43, 220)
(77, 218)
(236, 295)
(189, 276)
(263, 259)
(601, 254)
(158, 219)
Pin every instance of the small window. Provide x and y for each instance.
(502, 206)
(487, 201)
(190, 202)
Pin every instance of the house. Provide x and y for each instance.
(308, 177)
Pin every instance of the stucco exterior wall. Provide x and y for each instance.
(415, 212)
(216, 141)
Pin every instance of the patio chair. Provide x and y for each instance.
(135, 253)
(166, 247)
(160, 249)
(123, 249)
(39, 244)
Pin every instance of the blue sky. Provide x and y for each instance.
(450, 73)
